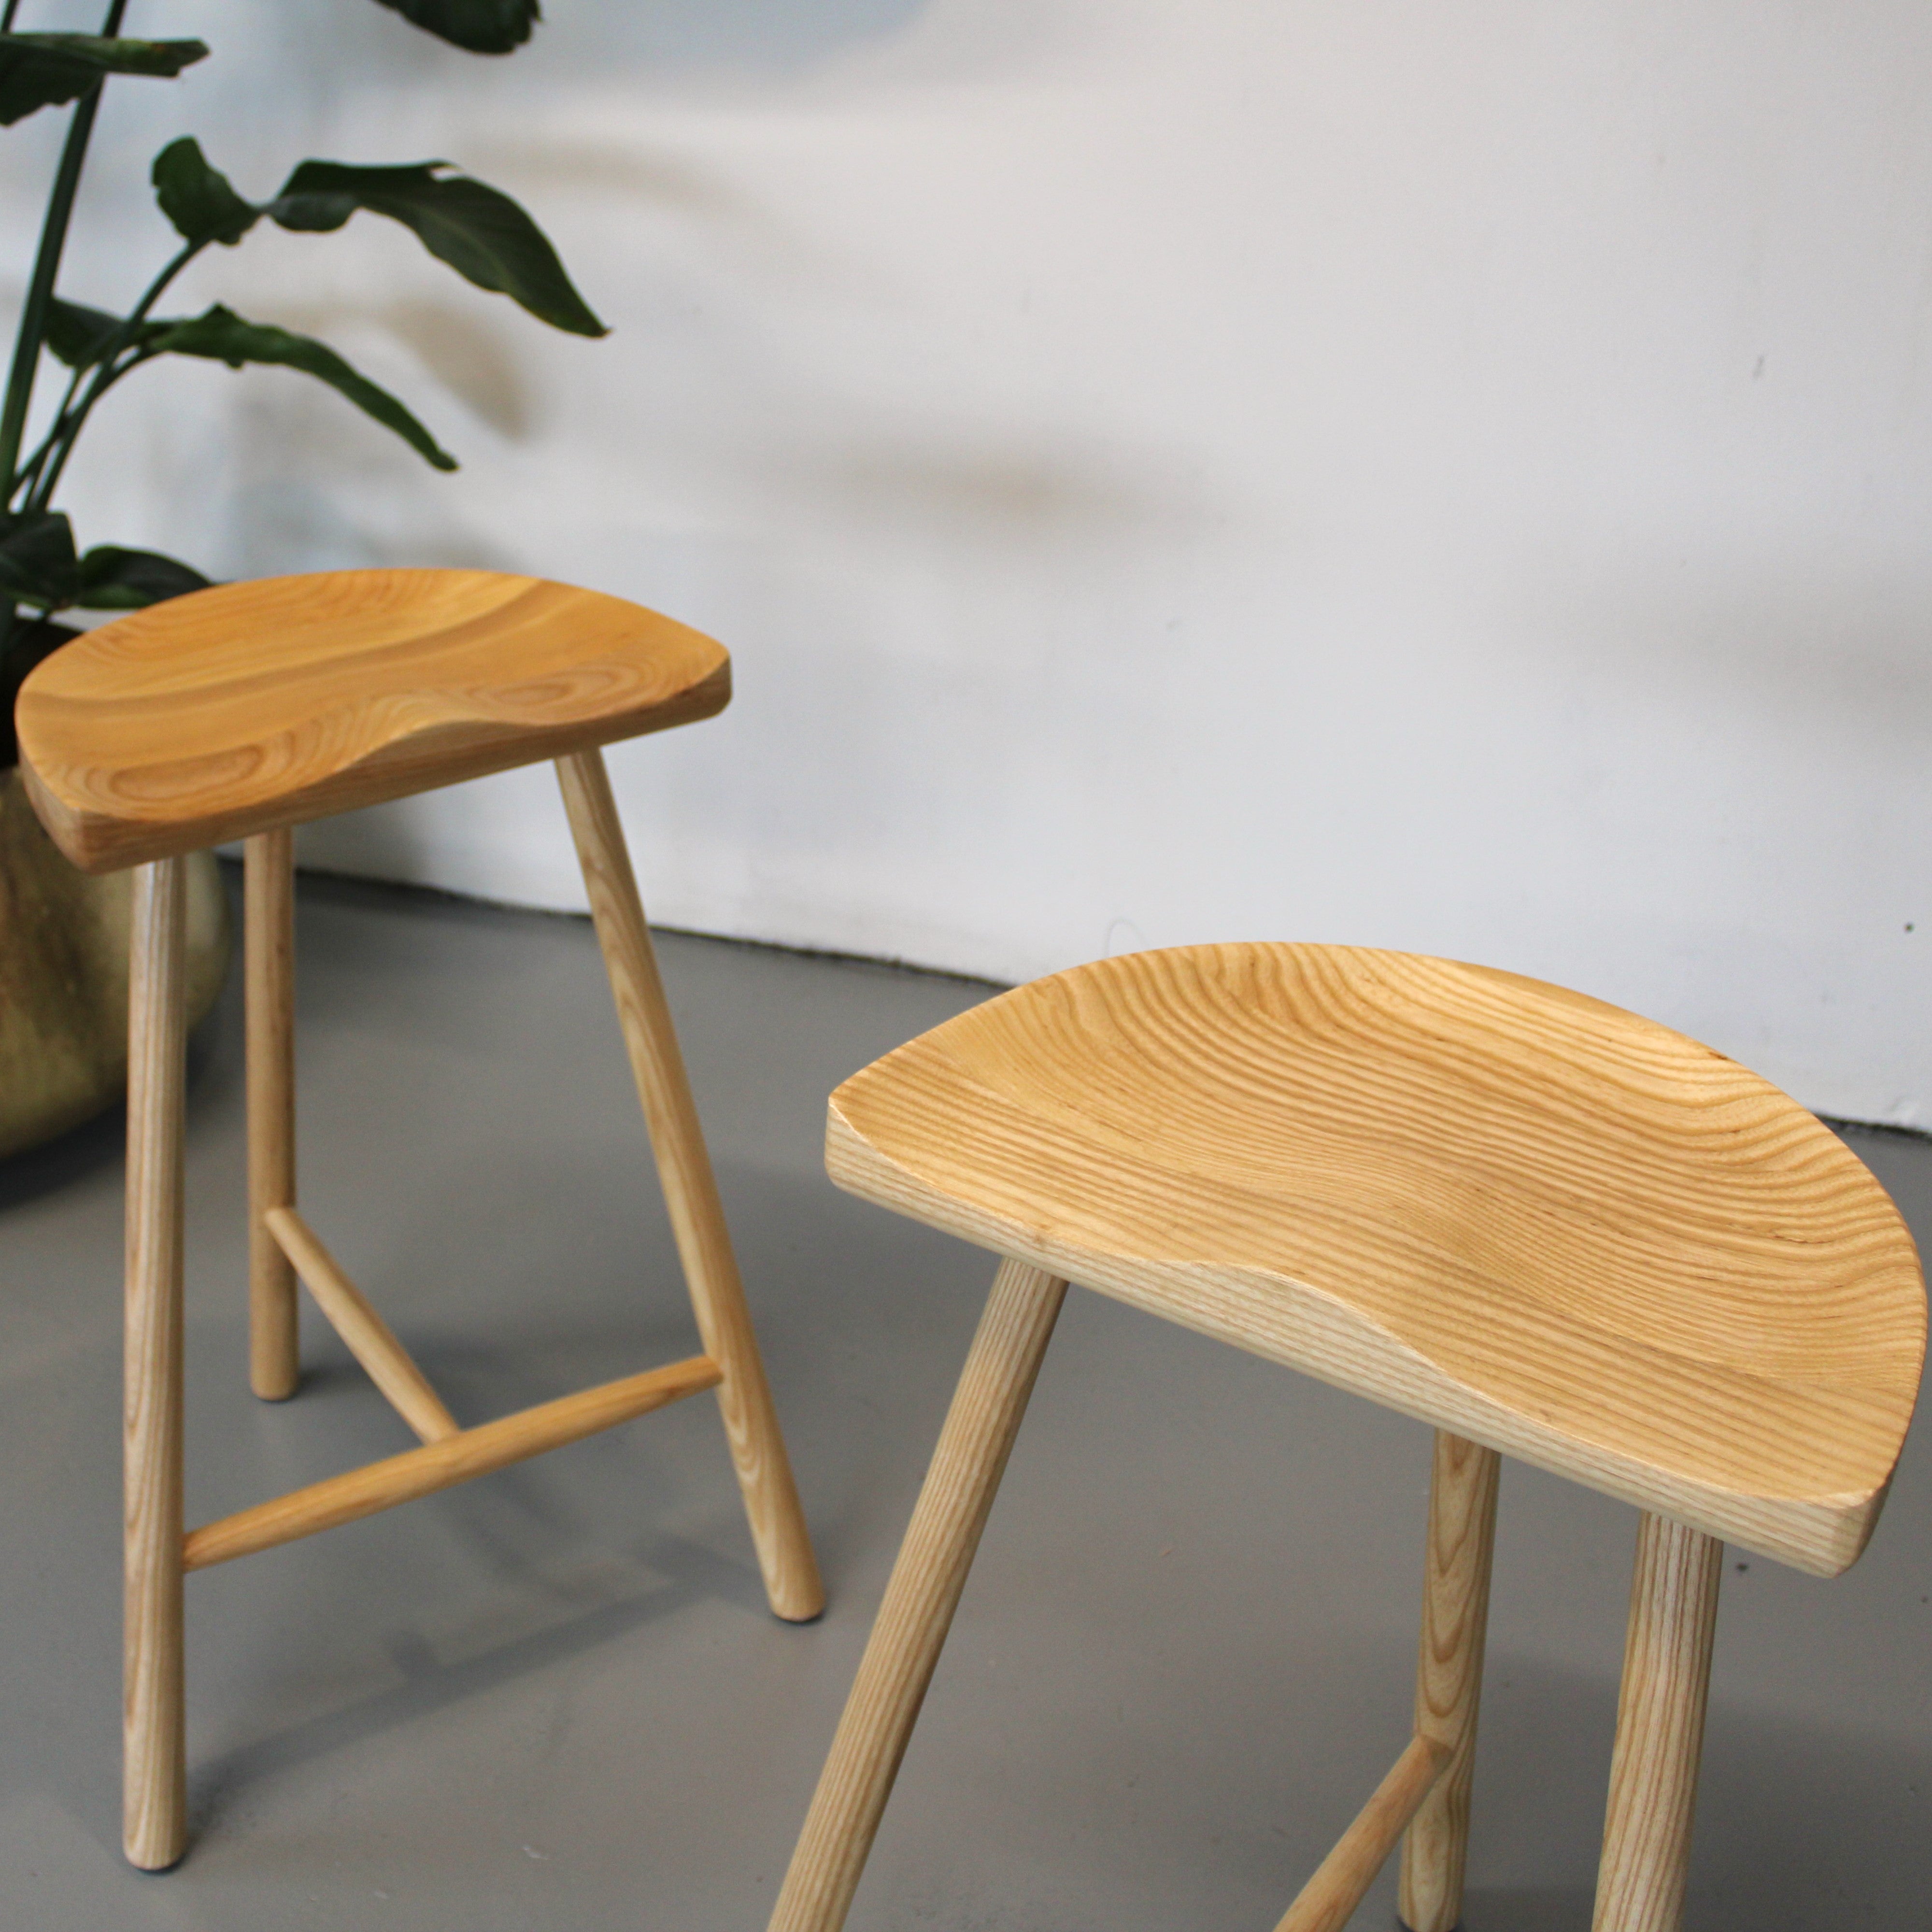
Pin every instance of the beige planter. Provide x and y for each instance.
(64, 975)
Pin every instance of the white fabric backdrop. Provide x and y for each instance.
(1451, 478)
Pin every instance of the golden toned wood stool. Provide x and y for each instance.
(243, 712)
(1543, 1225)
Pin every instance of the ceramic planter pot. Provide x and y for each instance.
(64, 975)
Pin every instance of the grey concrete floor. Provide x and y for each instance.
(554, 1698)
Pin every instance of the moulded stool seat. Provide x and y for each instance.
(1544, 1225)
(258, 705)
(242, 712)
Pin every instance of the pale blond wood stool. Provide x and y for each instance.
(1543, 1225)
(242, 712)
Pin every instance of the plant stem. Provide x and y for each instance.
(44, 490)
(67, 424)
(46, 266)
(31, 469)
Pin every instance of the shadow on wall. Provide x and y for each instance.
(315, 491)
(360, 46)
(1830, 649)
(310, 489)
(959, 488)
(738, 36)
(467, 354)
(729, 400)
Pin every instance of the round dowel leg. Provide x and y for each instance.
(919, 1600)
(1673, 1619)
(1449, 1677)
(691, 1193)
(268, 924)
(155, 1788)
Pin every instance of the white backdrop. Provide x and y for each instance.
(1456, 479)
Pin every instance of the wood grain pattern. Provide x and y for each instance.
(366, 1335)
(926, 1582)
(154, 1776)
(765, 1480)
(442, 1465)
(1673, 1619)
(268, 917)
(260, 704)
(1329, 1899)
(1526, 1217)
(1449, 1675)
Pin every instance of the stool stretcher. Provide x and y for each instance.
(1329, 1899)
(366, 1335)
(441, 1465)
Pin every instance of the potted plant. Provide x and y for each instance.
(63, 935)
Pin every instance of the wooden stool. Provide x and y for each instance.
(1541, 1224)
(241, 712)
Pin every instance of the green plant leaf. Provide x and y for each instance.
(48, 69)
(222, 336)
(481, 232)
(481, 26)
(113, 579)
(198, 198)
(38, 565)
(27, 644)
(79, 336)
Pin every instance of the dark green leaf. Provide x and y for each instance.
(197, 199)
(482, 26)
(29, 640)
(48, 70)
(38, 565)
(222, 336)
(78, 335)
(113, 579)
(483, 235)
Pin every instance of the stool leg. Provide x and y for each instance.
(690, 1192)
(919, 1600)
(154, 1773)
(1449, 1678)
(1673, 1619)
(268, 920)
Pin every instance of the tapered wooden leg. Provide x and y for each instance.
(691, 1192)
(154, 1789)
(1449, 1677)
(268, 920)
(1673, 1619)
(920, 1600)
